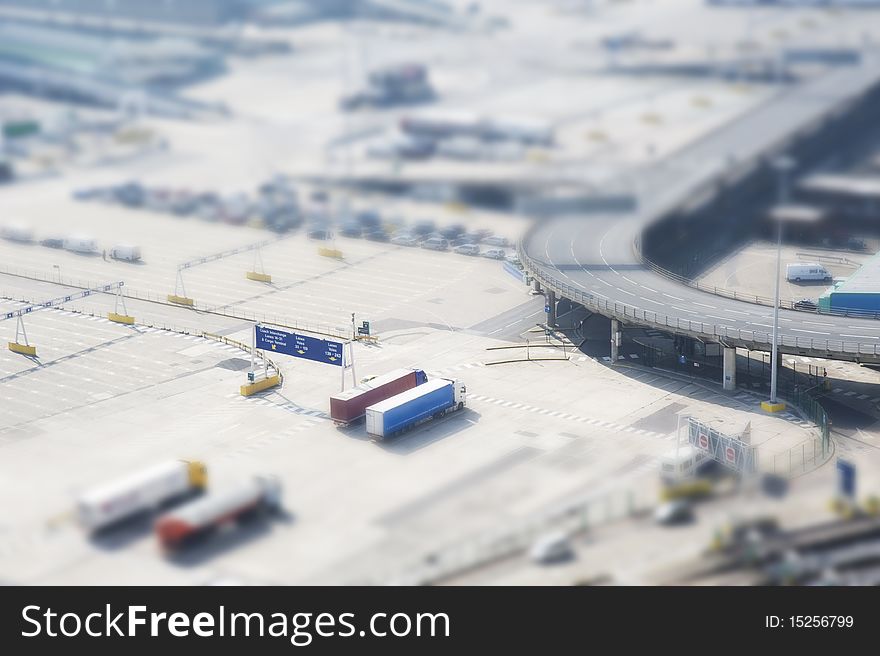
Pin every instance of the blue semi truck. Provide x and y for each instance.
(408, 409)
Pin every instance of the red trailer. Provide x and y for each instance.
(216, 509)
(351, 405)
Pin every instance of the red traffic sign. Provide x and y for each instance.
(730, 454)
(704, 442)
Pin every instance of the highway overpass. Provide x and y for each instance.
(596, 260)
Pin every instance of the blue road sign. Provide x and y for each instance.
(299, 346)
(846, 478)
(547, 309)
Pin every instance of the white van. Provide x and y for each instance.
(126, 252)
(681, 463)
(806, 271)
(80, 244)
(17, 231)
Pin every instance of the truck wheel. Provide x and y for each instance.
(797, 279)
(460, 405)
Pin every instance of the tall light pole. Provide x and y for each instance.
(782, 165)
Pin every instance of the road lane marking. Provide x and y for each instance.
(671, 296)
(814, 332)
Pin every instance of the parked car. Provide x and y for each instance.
(806, 304)
(320, 233)
(453, 231)
(423, 227)
(856, 244)
(351, 230)
(404, 240)
(482, 233)
(467, 249)
(513, 258)
(369, 219)
(678, 511)
(551, 548)
(436, 244)
(53, 242)
(460, 241)
(496, 240)
(431, 235)
(377, 235)
(494, 253)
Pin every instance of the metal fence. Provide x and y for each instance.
(162, 299)
(573, 519)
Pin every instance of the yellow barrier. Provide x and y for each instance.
(180, 300)
(772, 407)
(330, 252)
(24, 349)
(260, 385)
(120, 318)
(259, 277)
(688, 490)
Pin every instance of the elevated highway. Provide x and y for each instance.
(595, 259)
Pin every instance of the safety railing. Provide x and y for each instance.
(757, 299)
(626, 311)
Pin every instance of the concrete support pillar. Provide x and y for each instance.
(615, 339)
(536, 285)
(729, 369)
(551, 305)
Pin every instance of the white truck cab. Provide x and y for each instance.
(460, 391)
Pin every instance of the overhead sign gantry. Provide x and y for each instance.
(26, 348)
(179, 296)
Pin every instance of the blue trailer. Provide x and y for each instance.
(404, 411)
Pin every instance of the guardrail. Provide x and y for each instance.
(718, 333)
(751, 298)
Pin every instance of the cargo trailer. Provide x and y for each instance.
(404, 411)
(80, 244)
(224, 507)
(140, 492)
(351, 405)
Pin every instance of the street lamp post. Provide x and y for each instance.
(783, 166)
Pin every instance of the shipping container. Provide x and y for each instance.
(408, 409)
(140, 492)
(227, 506)
(351, 405)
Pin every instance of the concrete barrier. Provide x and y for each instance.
(260, 385)
(335, 253)
(259, 277)
(24, 349)
(180, 300)
(120, 318)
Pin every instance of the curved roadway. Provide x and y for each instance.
(592, 259)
